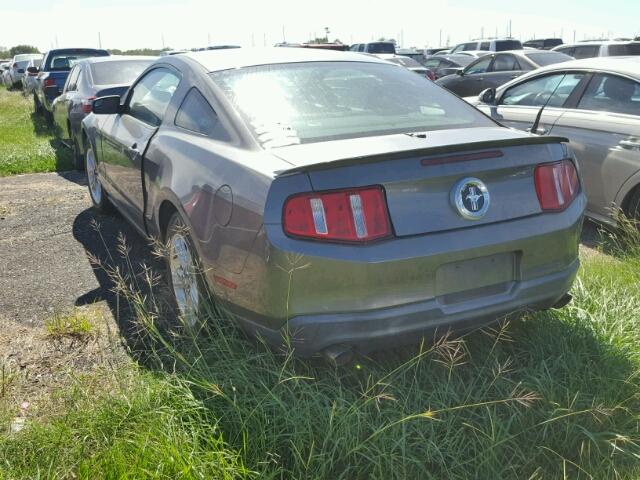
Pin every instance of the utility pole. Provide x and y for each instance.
(99, 41)
(440, 41)
(253, 40)
(264, 39)
(162, 38)
(208, 39)
(509, 28)
(481, 32)
(284, 38)
(574, 36)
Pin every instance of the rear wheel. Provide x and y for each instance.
(78, 158)
(96, 192)
(633, 207)
(37, 107)
(184, 272)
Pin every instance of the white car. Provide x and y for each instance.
(29, 79)
(604, 48)
(19, 66)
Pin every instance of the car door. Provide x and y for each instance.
(471, 79)
(518, 106)
(604, 130)
(60, 107)
(505, 67)
(127, 135)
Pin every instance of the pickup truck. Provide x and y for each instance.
(53, 75)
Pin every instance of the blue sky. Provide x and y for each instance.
(190, 23)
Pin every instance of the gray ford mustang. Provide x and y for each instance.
(335, 196)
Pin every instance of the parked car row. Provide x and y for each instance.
(411, 210)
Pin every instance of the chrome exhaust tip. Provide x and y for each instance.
(565, 300)
(338, 355)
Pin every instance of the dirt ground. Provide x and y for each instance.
(47, 237)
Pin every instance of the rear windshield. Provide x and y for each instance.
(621, 50)
(405, 62)
(23, 64)
(64, 60)
(120, 72)
(381, 47)
(544, 59)
(504, 45)
(286, 104)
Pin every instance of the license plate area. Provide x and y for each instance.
(478, 277)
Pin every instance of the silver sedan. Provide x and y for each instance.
(334, 197)
(595, 103)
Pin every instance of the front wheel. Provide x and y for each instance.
(184, 272)
(96, 192)
(633, 208)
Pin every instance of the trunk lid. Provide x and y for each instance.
(419, 174)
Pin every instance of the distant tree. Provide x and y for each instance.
(18, 49)
(137, 51)
(4, 53)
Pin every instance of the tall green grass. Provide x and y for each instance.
(553, 395)
(27, 143)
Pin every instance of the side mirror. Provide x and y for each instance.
(460, 72)
(488, 96)
(32, 70)
(108, 105)
(51, 92)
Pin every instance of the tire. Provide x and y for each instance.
(37, 106)
(77, 155)
(98, 196)
(633, 207)
(184, 272)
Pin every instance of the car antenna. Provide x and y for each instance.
(536, 122)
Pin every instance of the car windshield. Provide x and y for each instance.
(548, 58)
(381, 47)
(23, 64)
(622, 50)
(504, 45)
(285, 104)
(119, 72)
(405, 62)
(64, 61)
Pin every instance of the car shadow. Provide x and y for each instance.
(42, 128)
(112, 245)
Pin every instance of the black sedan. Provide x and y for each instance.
(496, 69)
(88, 79)
(443, 65)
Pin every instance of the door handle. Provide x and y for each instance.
(630, 144)
(133, 149)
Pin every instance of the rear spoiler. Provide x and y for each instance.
(445, 149)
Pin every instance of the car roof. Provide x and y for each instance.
(598, 42)
(216, 60)
(112, 58)
(624, 65)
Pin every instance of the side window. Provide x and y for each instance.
(457, 49)
(552, 90)
(151, 96)
(72, 81)
(433, 63)
(195, 114)
(586, 51)
(361, 47)
(504, 63)
(480, 66)
(567, 51)
(470, 46)
(610, 93)
(485, 46)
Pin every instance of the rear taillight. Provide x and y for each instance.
(557, 184)
(431, 76)
(87, 104)
(355, 215)
(49, 82)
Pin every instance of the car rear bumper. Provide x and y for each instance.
(407, 324)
